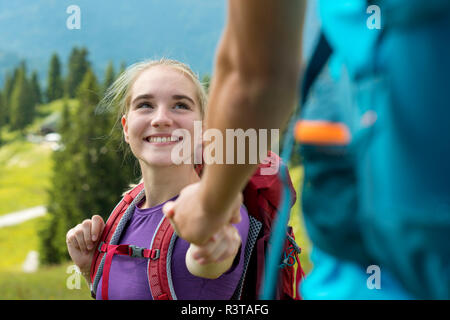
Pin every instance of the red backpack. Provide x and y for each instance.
(262, 197)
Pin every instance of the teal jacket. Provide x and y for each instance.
(383, 197)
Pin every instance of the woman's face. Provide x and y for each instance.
(162, 100)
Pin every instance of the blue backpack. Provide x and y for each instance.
(374, 191)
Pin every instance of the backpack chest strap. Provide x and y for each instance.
(122, 249)
(130, 250)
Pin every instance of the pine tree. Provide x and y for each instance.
(100, 166)
(111, 115)
(55, 89)
(129, 166)
(109, 76)
(88, 178)
(35, 88)
(10, 79)
(2, 115)
(123, 67)
(63, 213)
(22, 106)
(78, 66)
(2, 110)
(8, 86)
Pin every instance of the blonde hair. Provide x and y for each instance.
(118, 96)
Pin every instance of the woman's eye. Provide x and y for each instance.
(182, 106)
(144, 105)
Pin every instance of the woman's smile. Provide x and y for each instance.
(161, 140)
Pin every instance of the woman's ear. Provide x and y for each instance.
(125, 128)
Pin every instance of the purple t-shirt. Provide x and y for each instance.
(128, 276)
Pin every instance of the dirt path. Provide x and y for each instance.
(18, 217)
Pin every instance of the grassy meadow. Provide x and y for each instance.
(25, 169)
(49, 283)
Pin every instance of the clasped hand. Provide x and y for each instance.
(212, 234)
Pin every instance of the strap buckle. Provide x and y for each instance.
(289, 257)
(135, 251)
(100, 247)
(156, 255)
(294, 244)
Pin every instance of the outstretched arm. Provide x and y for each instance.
(254, 85)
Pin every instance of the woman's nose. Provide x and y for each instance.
(162, 118)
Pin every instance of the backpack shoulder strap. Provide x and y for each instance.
(109, 231)
(320, 56)
(159, 277)
(253, 233)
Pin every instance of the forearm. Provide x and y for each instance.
(210, 270)
(243, 110)
(254, 86)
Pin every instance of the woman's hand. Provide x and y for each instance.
(82, 241)
(216, 256)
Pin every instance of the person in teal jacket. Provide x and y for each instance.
(380, 197)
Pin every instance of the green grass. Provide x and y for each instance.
(25, 171)
(8, 136)
(15, 243)
(49, 113)
(55, 106)
(297, 223)
(49, 283)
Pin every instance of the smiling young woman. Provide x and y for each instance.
(154, 99)
(162, 101)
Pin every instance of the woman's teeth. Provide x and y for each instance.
(162, 139)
